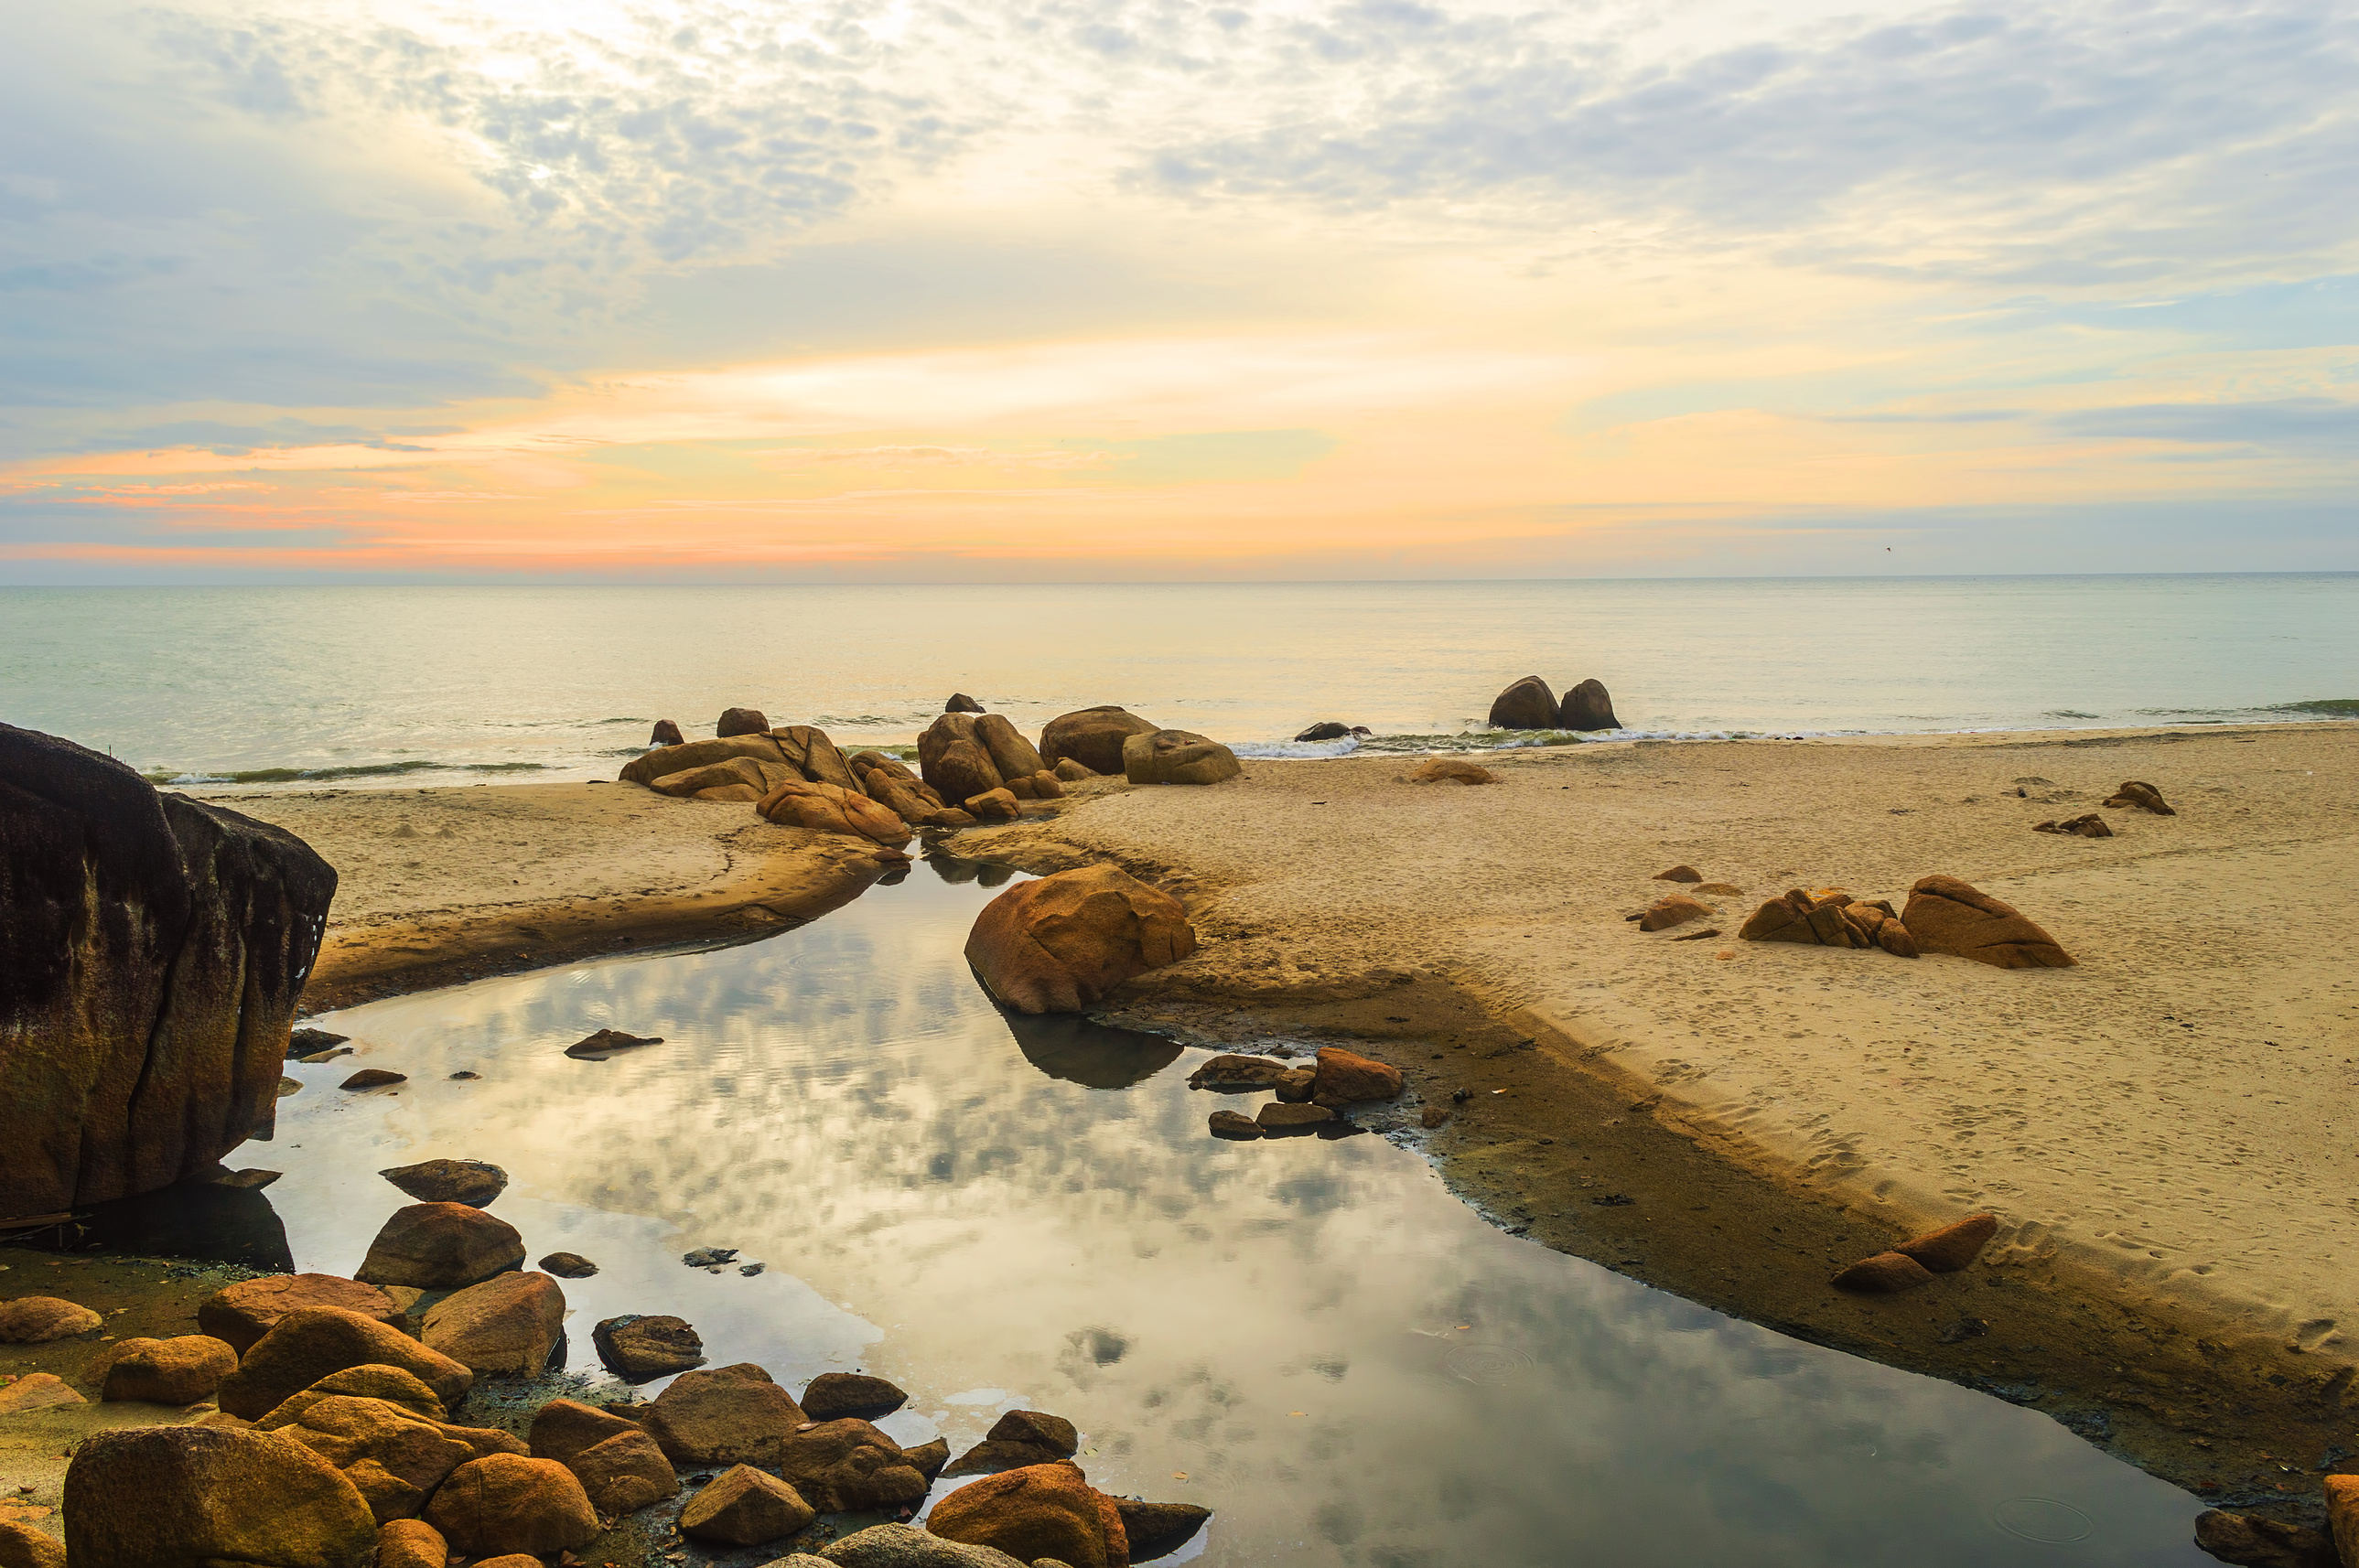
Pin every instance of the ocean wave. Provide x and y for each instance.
(2323, 707)
(329, 776)
(1297, 750)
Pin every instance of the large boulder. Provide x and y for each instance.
(510, 1323)
(839, 1467)
(833, 1394)
(1587, 707)
(1017, 1439)
(441, 1246)
(1093, 737)
(1177, 757)
(641, 1347)
(208, 1497)
(733, 778)
(1526, 705)
(1011, 753)
(177, 1371)
(152, 952)
(22, 1546)
(729, 1415)
(38, 1319)
(393, 1456)
(506, 1502)
(743, 1506)
(665, 761)
(1060, 944)
(903, 1546)
(1796, 916)
(828, 809)
(1946, 915)
(618, 1465)
(807, 749)
(1041, 1510)
(758, 761)
(309, 1343)
(1346, 1077)
(953, 761)
(472, 1181)
(740, 722)
(239, 1314)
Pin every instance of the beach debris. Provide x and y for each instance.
(1017, 1439)
(441, 1246)
(1278, 1117)
(1040, 1511)
(1681, 873)
(2258, 1541)
(472, 1181)
(1887, 1273)
(1177, 757)
(311, 1342)
(1345, 1077)
(567, 1266)
(37, 1320)
(1092, 736)
(240, 1314)
(606, 1042)
(1230, 1075)
(1451, 770)
(1697, 936)
(1951, 1247)
(637, 1348)
(1946, 915)
(826, 809)
(667, 733)
(1231, 1124)
(735, 721)
(1461, 1096)
(38, 1390)
(2144, 796)
(1672, 909)
(1327, 729)
(708, 1257)
(207, 1493)
(959, 702)
(2089, 825)
(1587, 707)
(509, 1503)
(304, 1042)
(835, 1394)
(510, 1323)
(176, 1371)
(1062, 943)
(1528, 704)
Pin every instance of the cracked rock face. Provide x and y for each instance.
(152, 952)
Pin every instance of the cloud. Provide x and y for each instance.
(276, 435)
(2313, 424)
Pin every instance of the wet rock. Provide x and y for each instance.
(1041, 1510)
(439, 1247)
(1177, 757)
(891, 785)
(1884, 1274)
(1526, 705)
(1672, 909)
(826, 809)
(1158, 1530)
(37, 1391)
(567, 1266)
(729, 1415)
(22, 1546)
(1298, 1085)
(1232, 1073)
(1345, 1077)
(510, 1323)
(2256, 1541)
(161, 1497)
(470, 1181)
(289, 1087)
(1278, 1117)
(956, 764)
(38, 1319)
(177, 1371)
(506, 1502)
(1326, 731)
(835, 1394)
(241, 1314)
(960, 702)
(307, 1042)
(708, 1257)
(2143, 796)
(903, 1546)
(1796, 916)
(252, 1179)
(994, 805)
(309, 1343)
(2343, 1515)
(1231, 1124)
(1946, 915)
(637, 1348)
(845, 1465)
(374, 1382)
(625, 1474)
(1093, 737)
(1433, 1116)
(1451, 770)
(1953, 1246)
(393, 1457)
(929, 1459)
(606, 1042)
(2089, 825)
(1072, 771)
(1587, 707)
(1062, 943)
(1681, 873)
(374, 1078)
(563, 1429)
(741, 721)
(1011, 753)
(743, 1506)
(465, 1077)
(1017, 1439)
(411, 1544)
(666, 733)
(155, 947)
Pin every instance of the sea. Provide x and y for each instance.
(355, 686)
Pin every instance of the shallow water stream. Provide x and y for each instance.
(1309, 1336)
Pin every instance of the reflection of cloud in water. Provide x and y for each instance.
(960, 1209)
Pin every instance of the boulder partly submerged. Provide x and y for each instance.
(1526, 705)
(1060, 944)
(153, 949)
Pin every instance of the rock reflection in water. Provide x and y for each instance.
(1339, 1356)
(233, 1225)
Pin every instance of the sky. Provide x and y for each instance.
(884, 290)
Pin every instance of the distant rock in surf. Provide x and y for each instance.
(1587, 707)
(1177, 757)
(606, 1042)
(1092, 736)
(666, 734)
(1328, 731)
(960, 702)
(737, 721)
(1526, 705)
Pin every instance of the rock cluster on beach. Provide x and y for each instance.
(1944, 915)
(1307, 1098)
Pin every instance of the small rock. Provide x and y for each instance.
(465, 1077)
(289, 1087)
(38, 1390)
(835, 1394)
(1884, 1274)
(606, 1042)
(1680, 874)
(1297, 1085)
(241, 1314)
(177, 1371)
(567, 1266)
(2144, 796)
(253, 1179)
(1953, 1246)
(929, 1459)
(1017, 1439)
(1451, 770)
(2256, 1541)
(626, 1473)
(1672, 909)
(1720, 889)
(1326, 731)
(745, 1507)
(307, 1042)
(506, 1502)
(993, 805)
(637, 1348)
(1280, 1118)
(666, 733)
(411, 1543)
(900, 1546)
(750, 1270)
(22, 1546)
(373, 1078)
(1433, 1116)
(741, 721)
(2089, 825)
(1156, 1529)
(1073, 771)
(37, 1320)
(470, 1181)
(708, 1257)
(1232, 1073)
(1345, 1077)
(441, 1246)
(1231, 1124)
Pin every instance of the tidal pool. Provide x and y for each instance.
(1309, 1336)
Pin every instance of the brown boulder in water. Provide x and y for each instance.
(1951, 1247)
(241, 1314)
(1326, 731)
(1279, 1118)
(1230, 1124)
(1062, 943)
(1093, 737)
(735, 721)
(1156, 1529)
(506, 1502)
(667, 733)
(1887, 1273)
(1040, 1511)
(177, 1497)
(729, 1415)
(1235, 1074)
(606, 1042)
(509, 1323)
(833, 1394)
(472, 1181)
(639, 1348)
(1946, 915)
(1672, 909)
(152, 952)
(441, 1246)
(310, 1343)
(1178, 757)
(2144, 796)
(1526, 705)
(743, 1506)
(1346, 1077)
(845, 1465)
(1451, 770)
(1587, 707)
(828, 809)
(1017, 1439)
